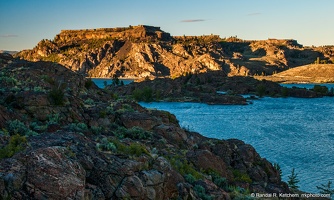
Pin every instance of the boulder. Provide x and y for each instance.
(51, 174)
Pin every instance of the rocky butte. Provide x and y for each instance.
(63, 138)
(147, 51)
(129, 33)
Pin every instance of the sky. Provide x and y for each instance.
(23, 23)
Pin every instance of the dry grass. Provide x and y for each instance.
(314, 73)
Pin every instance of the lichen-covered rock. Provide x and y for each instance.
(143, 120)
(206, 160)
(51, 174)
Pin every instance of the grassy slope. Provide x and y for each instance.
(314, 73)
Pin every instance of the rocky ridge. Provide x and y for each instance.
(63, 138)
(147, 51)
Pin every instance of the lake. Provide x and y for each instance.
(293, 132)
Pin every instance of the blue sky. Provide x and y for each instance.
(23, 23)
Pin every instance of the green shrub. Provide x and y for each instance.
(137, 133)
(57, 96)
(326, 188)
(293, 180)
(48, 79)
(39, 89)
(220, 182)
(241, 176)
(78, 127)
(8, 80)
(278, 168)
(217, 179)
(53, 118)
(37, 127)
(89, 101)
(146, 94)
(106, 145)
(238, 193)
(134, 149)
(15, 145)
(190, 178)
(125, 108)
(88, 83)
(4, 132)
(183, 167)
(96, 129)
(102, 113)
(133, 133)
(200, 191)
(17, 127)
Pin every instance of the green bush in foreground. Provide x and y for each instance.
(200, 191)
(57, 96)
(240, 176)
(293, 180)
(185, 168)
(17, 127)
(326, 188)
(15, 145)
(134, 149)
(133, 133)
(106, 145)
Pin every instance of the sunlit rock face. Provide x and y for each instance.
(147, 51)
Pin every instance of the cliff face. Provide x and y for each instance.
(140, 32)
(63, 138)
(146, 51)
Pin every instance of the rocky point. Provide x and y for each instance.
(63, 138)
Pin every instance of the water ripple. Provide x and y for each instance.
(296, 133)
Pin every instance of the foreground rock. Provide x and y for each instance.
(63, 138)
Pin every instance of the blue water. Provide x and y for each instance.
(293, 132)
(100, 82)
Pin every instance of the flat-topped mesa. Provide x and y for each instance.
(140, 32)
(204, 38)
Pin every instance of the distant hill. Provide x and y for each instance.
(313, 73)
(147, 51)
(9, 52)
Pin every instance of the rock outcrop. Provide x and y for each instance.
(210, 88)
(147, 51)
(63, 138)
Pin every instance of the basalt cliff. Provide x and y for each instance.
(62, 137)
(147, 51)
